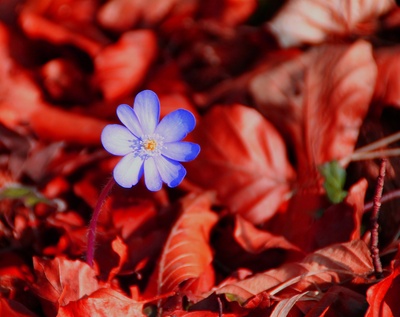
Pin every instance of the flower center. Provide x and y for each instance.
(148, 146)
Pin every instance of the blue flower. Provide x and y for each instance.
(149, 146)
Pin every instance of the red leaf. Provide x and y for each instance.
(339, 301)
(67, 126)
(103, 302)
(11, 265)
(341, 222)
(331, 265)
(75, 230)
(201, 313)
(383, 297)
(254, 240)
(61, 281)
(129, 217)
(37, 27)
(64, 81)
(244, 159)
(23, 103)
(387, 89)
(12, 308)
(69, 12)
(121, 249)
(229, 12)
(20, 95)
(322, 114)
(117, 72)
(283, 308)
(122, 15)
(313, 21)
(187, 253)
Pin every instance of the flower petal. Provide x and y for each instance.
(151, 175)
(171, 172)
(117, 139)
(128, 117)
(147, 109)
(176, 125)
(128, 171)
(181, 151)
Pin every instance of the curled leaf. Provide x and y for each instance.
(187, 253)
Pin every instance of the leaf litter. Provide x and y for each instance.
(295, 103)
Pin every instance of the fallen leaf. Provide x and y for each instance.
(254, 240)
(187, 253)
(383, 296)
(65, 82)
(320, 115)
(103, 302)
(314, 21)
(38, 27)
(326, 267)
(60, 281)
(61, 125)
(341, 222)
(388, 83)
(228, 12)
(14, 266)
(14, 309)
(20, 94)
(63, 11)
(122, 15)
(323, 114)
(201, 313)
(116, 72)
(283, 308)
(244, 159)
(74, 230)
(121, 249)
(339, 301)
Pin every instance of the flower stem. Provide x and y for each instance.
(374, 221)
(93, 222)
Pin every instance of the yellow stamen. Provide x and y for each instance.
(150, 145)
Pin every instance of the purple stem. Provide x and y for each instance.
(374, 221)
(93, 222)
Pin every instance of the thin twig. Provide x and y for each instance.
(370, 151)
(363, 156)
(380, 143)
(374, 221)
(91, 243)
